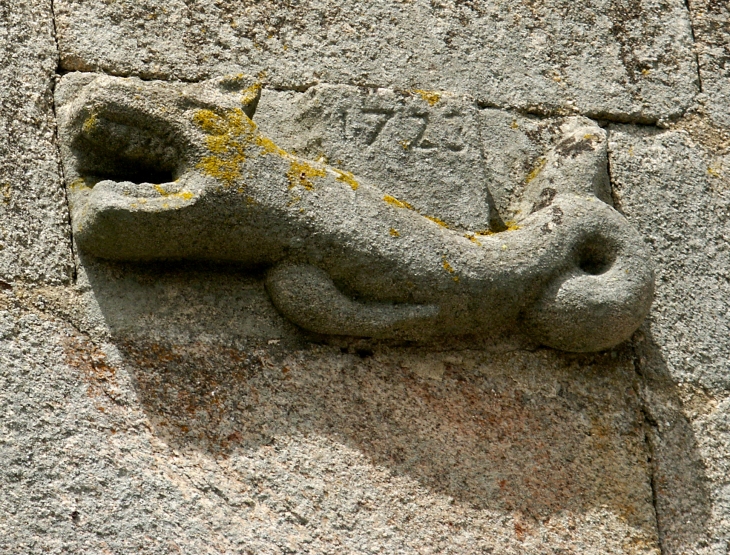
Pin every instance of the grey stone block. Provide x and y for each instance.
(126, 445)
(620, 59)
(711, 24)
(673, 185)
(35, 240)
(675, 191)
(425, 150)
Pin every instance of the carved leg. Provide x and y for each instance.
(307, 296)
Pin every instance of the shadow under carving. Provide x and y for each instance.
(681, 496)
(565, 444)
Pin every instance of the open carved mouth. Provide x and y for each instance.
(110, 149)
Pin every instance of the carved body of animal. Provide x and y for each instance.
(345, 258)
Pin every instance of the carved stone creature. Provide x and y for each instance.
(162, 171)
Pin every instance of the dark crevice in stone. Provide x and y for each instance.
(142, 77)
(649, 425)
(677, 473)
(609, 171)
(694, 42)
(74, 269)
(602, 117)
(292, 88)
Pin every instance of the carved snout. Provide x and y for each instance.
(346, 257)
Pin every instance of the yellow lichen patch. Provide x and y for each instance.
(301, 173)
(405, 144)
(437, 221)
(431, 97)
(250, 94)
(536, 170)
(184, 195)
(221, 169)
(347, 177)
(473, 239)
(714, 172)
(79, 185)
(394, 232)
(449, 268)
(269, 146)
(589, 137)
(397, 203)
(514, 124)
(210, 122)
(510, 226)
(90, 123)
(217, 144)
(228, 137)
(6, 191)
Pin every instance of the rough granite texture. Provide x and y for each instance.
(623, 59)
(35, 238)
(476, 159)
(130, 446)
(344, 256)
(711, 25)
(675, 186)
(169, 408)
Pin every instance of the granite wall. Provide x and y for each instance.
(169, 408)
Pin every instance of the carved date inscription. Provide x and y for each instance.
(398, 140)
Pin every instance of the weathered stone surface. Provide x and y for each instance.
(169, 408)
(623, 59)
(711, 24)
(675, 186)
(35, 242)
(347, 257)
(423, 149)
(120, 445)
(678, 194)
(439, 152)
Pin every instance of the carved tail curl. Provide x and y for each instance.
(602, 295)
(307, 296)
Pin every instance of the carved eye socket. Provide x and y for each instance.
(107, 149)
(595, 255)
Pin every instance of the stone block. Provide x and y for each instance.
(628, 60)
(711, 25)
(163, 444)
(35, 236)
(675, 186)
